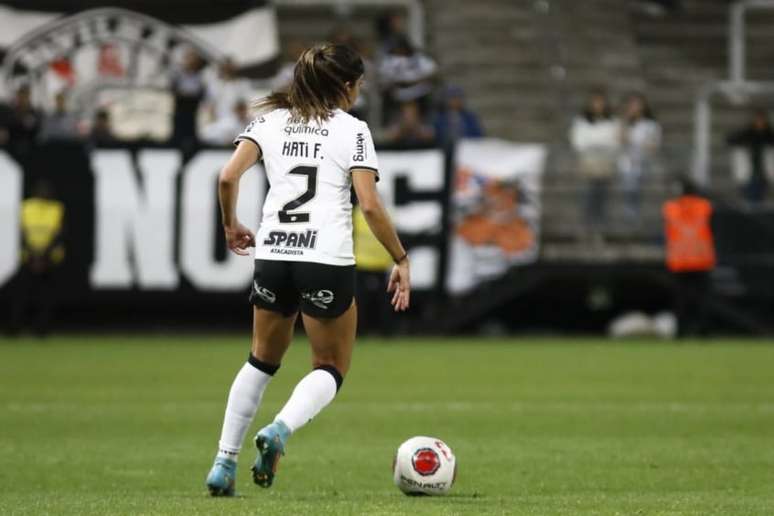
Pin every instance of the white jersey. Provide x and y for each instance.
(307, 215)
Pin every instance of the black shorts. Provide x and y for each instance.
(318, 290)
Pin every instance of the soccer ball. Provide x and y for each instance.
(424, 465)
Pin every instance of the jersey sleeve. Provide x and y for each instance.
(363, 151)
(252, 132)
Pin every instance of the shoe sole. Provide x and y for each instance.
(262, 476)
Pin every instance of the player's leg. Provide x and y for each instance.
(330, 320)
(272, 333)
(274, 315)
(271, 337)
(332, 341)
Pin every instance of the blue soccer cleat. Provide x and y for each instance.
(270, 442)
(222, 477)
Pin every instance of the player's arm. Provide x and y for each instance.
(238, 237)
(364, 181)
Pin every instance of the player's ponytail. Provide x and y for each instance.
(319, 84)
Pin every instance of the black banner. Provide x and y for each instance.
(143, 237)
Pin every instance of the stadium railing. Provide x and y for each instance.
(738, 88)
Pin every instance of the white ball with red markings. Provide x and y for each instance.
(424, 465)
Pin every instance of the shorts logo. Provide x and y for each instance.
(426, 461)
(319, 298)
(264, 293)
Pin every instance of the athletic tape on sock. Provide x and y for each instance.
(333, 372)
(269, 369)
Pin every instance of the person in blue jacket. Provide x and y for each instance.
(454, 120)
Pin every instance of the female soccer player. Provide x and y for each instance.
(313, 152)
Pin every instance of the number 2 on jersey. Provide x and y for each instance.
(285, 216)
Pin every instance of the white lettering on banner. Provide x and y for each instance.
(10, 207)
(424, 171)
(199, 224)
(135, 236)
(135, 221)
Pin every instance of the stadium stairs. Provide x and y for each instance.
(681, 52)
(527, 67)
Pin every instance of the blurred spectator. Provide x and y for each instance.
(757, 139)
(343, 36)
(641, 139)
(595, 136)
(406, 75)
(61, 124)
(658, 7)
(24, 122)
(42, 225)
(226, 89)
(690, 256)
(102, 129)
(223, 130)
(410, 128)
(6, 115)
(454, 120)
(188, 90)
(389, 29)
(284, 77)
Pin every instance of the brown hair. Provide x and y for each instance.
(319, 84)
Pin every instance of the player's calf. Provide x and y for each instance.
(313, 393)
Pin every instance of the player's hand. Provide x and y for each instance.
(239, 238)
(400, 286)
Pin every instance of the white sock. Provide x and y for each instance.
(243, 400)
(312, 394)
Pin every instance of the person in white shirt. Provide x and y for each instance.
(61, 124)
(596, 135)
(223, 130)
(283, 79)
(313, 153)
(641, 139)
(188, 89)
(407, 75)
(224, 90)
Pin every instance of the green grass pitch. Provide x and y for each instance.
(110, 425)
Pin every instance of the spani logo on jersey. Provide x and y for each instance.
(291, 242)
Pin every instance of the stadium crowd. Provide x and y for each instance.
(211, 101)
(406, 103)
(608, 147)
(404, 100)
